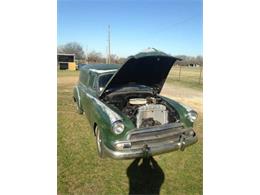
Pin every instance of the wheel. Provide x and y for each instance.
(99, 142)
(78, 108)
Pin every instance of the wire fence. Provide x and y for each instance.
(187, 74)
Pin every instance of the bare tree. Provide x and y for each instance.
(114, 59)
(95, 57)
(72, 48)
(121, 60)
(186, 60)
(199, 60)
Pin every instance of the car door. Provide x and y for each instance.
(82, 90)
(88, 97)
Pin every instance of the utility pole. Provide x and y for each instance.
(87, 54)
(108, 44)
(107, 56)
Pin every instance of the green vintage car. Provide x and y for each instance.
(128, 115)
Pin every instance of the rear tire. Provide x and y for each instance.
(99, 143)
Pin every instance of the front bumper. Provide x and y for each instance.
(153, 141)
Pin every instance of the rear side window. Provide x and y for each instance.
(91, 80)
(83, 78)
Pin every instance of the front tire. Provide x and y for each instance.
(99, 143)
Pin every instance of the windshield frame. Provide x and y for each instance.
(97, 80)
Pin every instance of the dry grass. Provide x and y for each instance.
(189, 77)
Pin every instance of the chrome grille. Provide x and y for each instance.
(158, 132)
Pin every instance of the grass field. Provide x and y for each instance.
(81, 171)
(189, 77)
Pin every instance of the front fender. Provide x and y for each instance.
(181, 109)
(104, 116)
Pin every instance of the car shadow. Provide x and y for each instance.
(145, 177)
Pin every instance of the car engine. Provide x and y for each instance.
(150, 111)
(151, 115)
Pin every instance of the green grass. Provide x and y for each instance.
(189, 77)
(66, 73)
(81, 171)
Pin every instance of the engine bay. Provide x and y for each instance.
(145, 111)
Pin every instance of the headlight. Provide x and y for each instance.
(192, 115)
(118, 127)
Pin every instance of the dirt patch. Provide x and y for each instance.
(67, 80)
(188, 96)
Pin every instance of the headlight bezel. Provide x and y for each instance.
(118, 127)
(192, 115)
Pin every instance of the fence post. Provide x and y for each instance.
(200, 74)
(180, 73)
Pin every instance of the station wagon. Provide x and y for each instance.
(128, 116)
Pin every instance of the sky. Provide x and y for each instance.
(172, 26)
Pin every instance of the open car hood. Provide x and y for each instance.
(146, 68)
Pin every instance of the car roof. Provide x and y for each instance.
(99, 68)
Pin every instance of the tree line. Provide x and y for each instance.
(186, 60)
(97, 57)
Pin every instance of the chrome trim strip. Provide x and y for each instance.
(153, 129)
(78, 94)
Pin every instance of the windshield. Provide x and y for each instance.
(103, 79)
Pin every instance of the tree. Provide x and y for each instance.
(121, 60)
(72, 48)
(199, 60)
(186, 60)
(95, 57)
(115, 59)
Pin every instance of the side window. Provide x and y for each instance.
(83, 78)
(94, 86)
(91, 80)
(86, 80)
